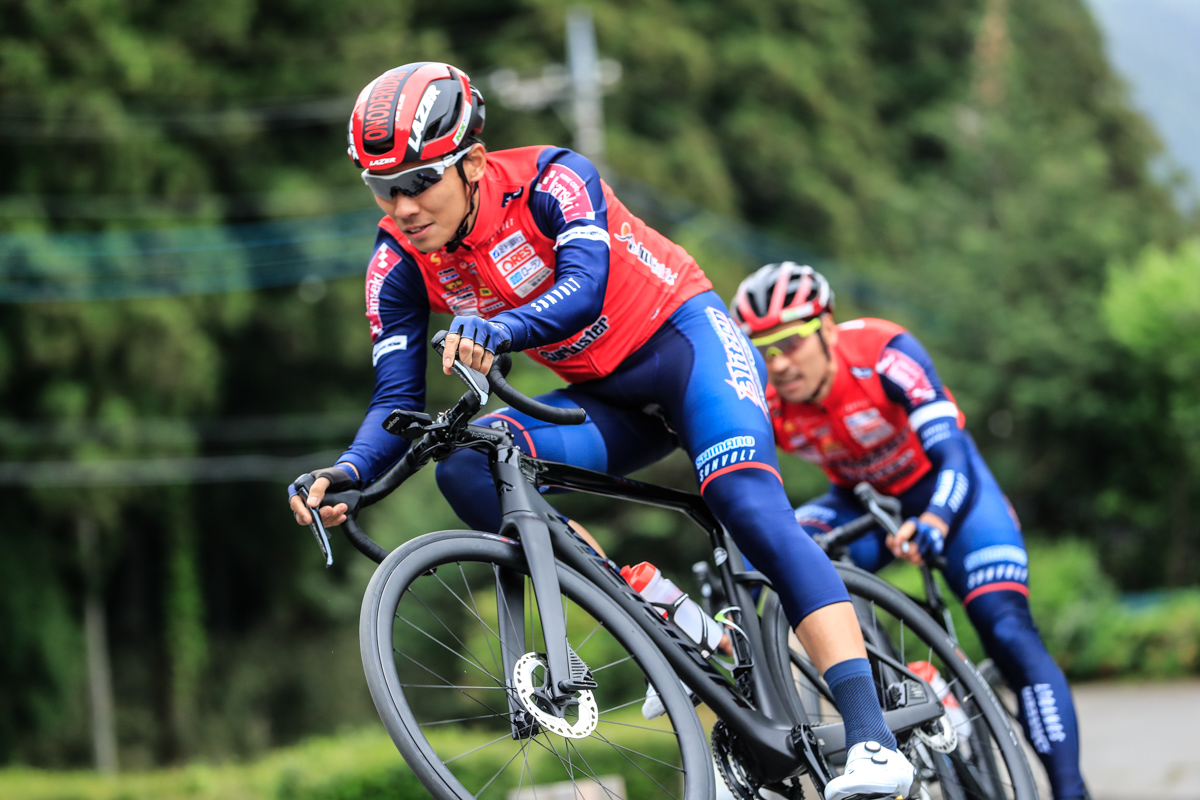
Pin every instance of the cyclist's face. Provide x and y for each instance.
(798, 374)
(431, 219)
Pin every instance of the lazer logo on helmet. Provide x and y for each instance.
(378, 114)
(421, 119)
(378, 162)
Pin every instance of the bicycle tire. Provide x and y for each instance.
(388, 607)
(993, 766)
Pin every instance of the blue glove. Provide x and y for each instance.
(928, 539)
(494, 336)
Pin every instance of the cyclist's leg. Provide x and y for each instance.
(986, 566)
(611, 440)
(709, 381)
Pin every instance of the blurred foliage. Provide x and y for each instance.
(354, 766)
(976, 161)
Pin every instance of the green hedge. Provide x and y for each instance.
(1090, 632)
(358, 766)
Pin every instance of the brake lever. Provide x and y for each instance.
(475, 380)
(871, 501)
(316, 526)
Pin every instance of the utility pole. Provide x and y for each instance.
(580, 84)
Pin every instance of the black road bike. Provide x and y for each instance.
(505, 664)
(883, 512)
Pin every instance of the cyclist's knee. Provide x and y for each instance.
(1007, 629)
(752, 505)
(466, 483)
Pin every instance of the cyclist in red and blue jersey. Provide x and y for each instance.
(530, 250)
(863, 401)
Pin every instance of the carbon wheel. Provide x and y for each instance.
(972, 752)
(436, 666)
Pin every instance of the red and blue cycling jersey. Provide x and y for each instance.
(887, 420)
(553, 255)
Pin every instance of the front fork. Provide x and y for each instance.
(566, 674)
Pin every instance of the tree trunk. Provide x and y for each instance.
(99, 670)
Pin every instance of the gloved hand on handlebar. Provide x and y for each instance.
(918, 539)
(476, 341)
(319, 482)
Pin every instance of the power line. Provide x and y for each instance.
(161, 471)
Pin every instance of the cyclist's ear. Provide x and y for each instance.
(829, 329)
(474, 163)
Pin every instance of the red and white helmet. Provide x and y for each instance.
(779, 293)
(412, 113)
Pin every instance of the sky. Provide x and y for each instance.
(1155, 46)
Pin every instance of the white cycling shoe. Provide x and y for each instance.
(872, 771)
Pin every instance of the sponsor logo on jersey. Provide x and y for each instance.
(862, 373)
(731, 451)
(815, 514)
(868, 427)
(441, 273)
(997, 573)
(507, 197)
(639, 251)
(589, 337)
(382, 263)
(388, 345)
(421, 118)
(743, 376)
(1041, 713)
(901, 370)
(565, 186)
(450, 275)
(381, 108)
(512, 251)
(995, 553)
(492, 307)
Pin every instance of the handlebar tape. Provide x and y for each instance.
(534, 408)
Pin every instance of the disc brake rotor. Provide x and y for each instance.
(534, 698)
(939, 734)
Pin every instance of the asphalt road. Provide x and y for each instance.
(1140, 741)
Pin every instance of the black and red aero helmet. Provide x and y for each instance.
(780, 293)
(412, 113)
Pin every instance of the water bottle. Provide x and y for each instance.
(958, 717)
(675, 606)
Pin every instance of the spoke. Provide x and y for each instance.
(477, 749)
(447, 648)
(623, 705)
(640, 727)
(591, 633)
(622, 747)
(621, 751)
(450, 685)
(613, 664)
(475, 610)
(595, 777)
(453, 635)
(460, 719)
(497, 774)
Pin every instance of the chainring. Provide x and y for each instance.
(741, 784)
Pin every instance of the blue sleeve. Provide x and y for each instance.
(567, 203)
(398, 310)
(909, 379)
